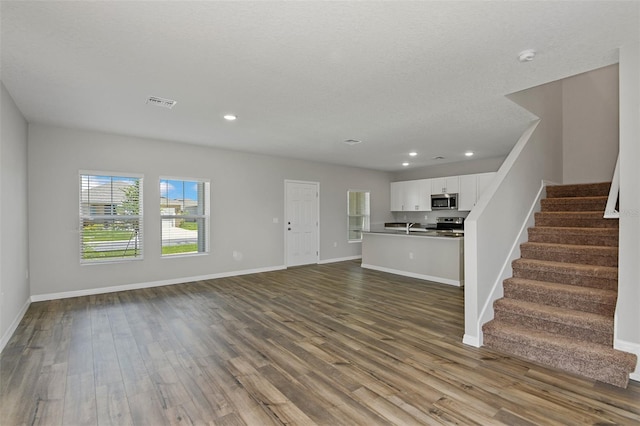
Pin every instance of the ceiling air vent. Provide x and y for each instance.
(161, 102)
(352, 141)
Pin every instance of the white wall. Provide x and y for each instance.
(627, 332)
(497, 224)
(14, 284)
(590, 131)
(247, 193)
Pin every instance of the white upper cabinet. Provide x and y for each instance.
(415, 195)
(396, 196)
(445, 185)
(411, 195)
(468, 194)
(484, 180)
(471, 188)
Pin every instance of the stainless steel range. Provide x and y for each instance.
(455, 224)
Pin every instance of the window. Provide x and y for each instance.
(184, 210)
(357, 214)
(110, 217)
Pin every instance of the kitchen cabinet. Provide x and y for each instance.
(484, 180)
(415, 195)
(397, 193)
(468, 194)
(445, 185)
(411, 195)
(471, 188)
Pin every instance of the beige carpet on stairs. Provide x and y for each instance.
(558, 307)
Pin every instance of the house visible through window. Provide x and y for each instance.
(110, 217)
(357, 214)
(184, 210)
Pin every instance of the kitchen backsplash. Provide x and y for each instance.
(419, 217)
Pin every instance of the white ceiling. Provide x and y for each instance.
(304, 76)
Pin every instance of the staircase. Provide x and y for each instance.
(558, 307)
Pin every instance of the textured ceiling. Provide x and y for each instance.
(304, 76)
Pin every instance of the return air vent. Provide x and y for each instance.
(161, 102)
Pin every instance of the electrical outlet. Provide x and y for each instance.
(335, 244)
(276, 220)
(411, 255)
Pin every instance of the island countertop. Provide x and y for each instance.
(419, 233)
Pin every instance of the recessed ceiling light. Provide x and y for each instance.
(405, 164)
(413, 153)
(527, 55)
(229, 117)
(352, 141)
(469, 154)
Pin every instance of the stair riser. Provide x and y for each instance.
(566, 237)
(595, 370)
(578, 256)
(568, 205)
(566, 278)
(590, 190)
(545, 220)
(562, 300)
(578, 333)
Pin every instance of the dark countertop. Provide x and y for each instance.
(419, 233)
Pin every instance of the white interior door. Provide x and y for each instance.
(302, 222)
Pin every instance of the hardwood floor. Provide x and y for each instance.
(324, 344)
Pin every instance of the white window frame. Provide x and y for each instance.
(367, 226)
(139, 241)
(205, 216)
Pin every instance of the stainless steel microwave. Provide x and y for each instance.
(444, 202)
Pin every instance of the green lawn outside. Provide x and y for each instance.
(91, 254)
(191, 226)
(182, 248)
(90, 235)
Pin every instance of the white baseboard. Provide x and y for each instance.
(14, 325)
(113, 289)
(471, 341)
(633, 348)
(339, 259)
(414, 275)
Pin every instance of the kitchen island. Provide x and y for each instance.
(433, 256)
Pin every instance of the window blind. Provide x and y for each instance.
(110, 218)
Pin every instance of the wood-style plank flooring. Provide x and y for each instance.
(323, 344)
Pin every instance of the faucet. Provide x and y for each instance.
(409, 225)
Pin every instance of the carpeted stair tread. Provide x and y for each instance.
(575, 220)
(570, 235)
(569, 273)
(566, 204)
(597, 362)
(585, 326)
(570, 253)
(579, 190)
(559, 305)
(587, 299)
